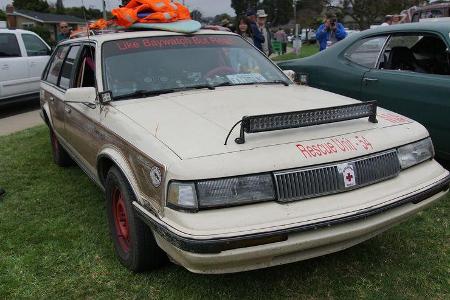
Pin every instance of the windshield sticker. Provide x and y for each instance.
(334, 146)
(246, 78)
(176, 42)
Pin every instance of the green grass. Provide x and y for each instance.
(54, 243)
(307, 50)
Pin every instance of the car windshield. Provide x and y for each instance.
(157, 65)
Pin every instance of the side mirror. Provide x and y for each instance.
(85, 95)
(290, 74)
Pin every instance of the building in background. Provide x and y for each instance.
(27, 19)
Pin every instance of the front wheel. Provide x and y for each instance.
(134, 243)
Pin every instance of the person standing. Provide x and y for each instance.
(258, 38)
(281, 36)
(330, 32)
(387, 21)
(261, 18)
(64, 32)
(398, 19)
(244, 30)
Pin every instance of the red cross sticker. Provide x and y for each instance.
(349, 177)
(348, 174)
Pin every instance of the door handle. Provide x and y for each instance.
(51, 99)
(368, 79)
(68, 109)
(5, 67)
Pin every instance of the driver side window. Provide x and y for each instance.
(85, 75)
(419, 53)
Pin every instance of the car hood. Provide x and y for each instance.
(195, 124)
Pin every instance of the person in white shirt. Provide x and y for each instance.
(261, 22)
(387, 21)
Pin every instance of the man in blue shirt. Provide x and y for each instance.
(330, 32)
(64, 34)
(258, 37)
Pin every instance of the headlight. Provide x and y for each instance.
(415, 153)
(221, 192)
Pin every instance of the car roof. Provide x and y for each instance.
(140, 34)
(15, 30)
(439, 26)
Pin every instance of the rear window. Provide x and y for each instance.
(67, 68)
(56, 65)
(366, 51)
(9, 47)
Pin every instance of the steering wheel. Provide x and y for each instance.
(222, 70)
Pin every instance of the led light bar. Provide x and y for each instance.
(281, 121)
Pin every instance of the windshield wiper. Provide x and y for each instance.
(252, 83)
(148, 93)
(285, 83)
(137, 94)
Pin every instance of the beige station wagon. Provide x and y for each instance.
(211, 156)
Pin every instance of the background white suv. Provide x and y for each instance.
(23, 56)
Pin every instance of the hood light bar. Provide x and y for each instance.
(281, 121)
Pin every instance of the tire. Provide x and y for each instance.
(60, 155)
(134, 243)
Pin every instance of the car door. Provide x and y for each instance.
(38, 54)
(353, 64)
(13, 67)
(53, 93)
(81, 121)
(413, 79)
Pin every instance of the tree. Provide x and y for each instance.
(310, 11)
(59, 7)
(241, 6)
(278, 11)
(44, 33)
(196, 15)
(80, 12)
(34, 5)
(219, 18)
(2, 15)
(281, 11)
(368, 12)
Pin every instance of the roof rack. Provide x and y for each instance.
(93, 32)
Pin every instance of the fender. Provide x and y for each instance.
(114, 154)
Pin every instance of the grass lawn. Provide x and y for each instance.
(54, 243)
(307, 50)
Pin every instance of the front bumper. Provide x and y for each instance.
(248, 252)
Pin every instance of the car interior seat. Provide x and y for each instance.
(402, 58)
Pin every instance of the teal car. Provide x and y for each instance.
(406, 68)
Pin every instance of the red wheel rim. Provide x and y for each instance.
(120, 219)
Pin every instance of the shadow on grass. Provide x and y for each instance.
(55, 243)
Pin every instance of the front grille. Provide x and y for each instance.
(308, 183)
